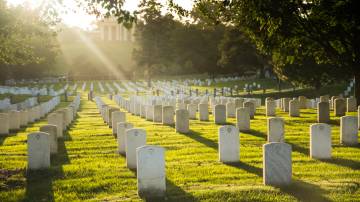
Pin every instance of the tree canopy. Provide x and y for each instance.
(27, 42)
(296, 35)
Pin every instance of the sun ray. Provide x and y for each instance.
(117, 72)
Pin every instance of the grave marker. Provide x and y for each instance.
(38, 148)
(229, 146)
(151, 176)
(277, 162)
(135, 138)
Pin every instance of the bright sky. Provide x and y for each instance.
(77, 17)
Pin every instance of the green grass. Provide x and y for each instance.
(89, 169)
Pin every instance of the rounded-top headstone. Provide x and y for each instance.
(320, 141)
(339, 107)
(182, 121)
(52, 131)
(277, 164)
(168, 115)
(151, 176)
(251, 107)
(38, 147)
(220, 114)
(323, 112)
(275, 126)
(122, 127)
(134, 138)
(349, 130)
(229, 146)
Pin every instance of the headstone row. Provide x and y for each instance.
(40, 145)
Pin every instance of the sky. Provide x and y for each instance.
(76, 17)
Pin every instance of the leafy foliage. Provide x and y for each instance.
(28, 44)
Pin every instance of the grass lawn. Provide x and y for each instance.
(88, 167)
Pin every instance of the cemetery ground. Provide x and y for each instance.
(88, 166)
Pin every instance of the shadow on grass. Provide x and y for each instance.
(299, 149)
(224, 124)
(3, 138)
(39, 182)
(247, 167)
(304, 191)
(173, 193)
(39, 185)
(256, 133)
(355, 165)
(334, 122)
(198, 137)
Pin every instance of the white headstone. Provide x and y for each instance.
(157, 114)
(203, 112)
(168, 115)
(230, 110)
(251, 107)
(351, 104)
(121, 136)
(151, 176)
(349, 130)
(134, 138)
(57, 120)
(229, 145)
(52, 131)
(320, 141)
(277, 162)
(275, 126)
(243, 119)
(38, 147)
(192, 108)
(220, 114)
(323, 112)
(182, 121)
(294, 108)
(270, 106)
(117, 117)
(339, 107)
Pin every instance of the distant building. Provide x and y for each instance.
(111, 30)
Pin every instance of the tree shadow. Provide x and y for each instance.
(173, 193)
(334, 122)
(39, 186)
(256, 133)
(304, 191)
(197, 136)
(355, 165)
(247, 167)
(300, 149)
(3, 138)
(224, 124)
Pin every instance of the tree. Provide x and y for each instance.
(326, 32)
(296, 32)
(28, 45)
(153, 51)
(238, 54)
